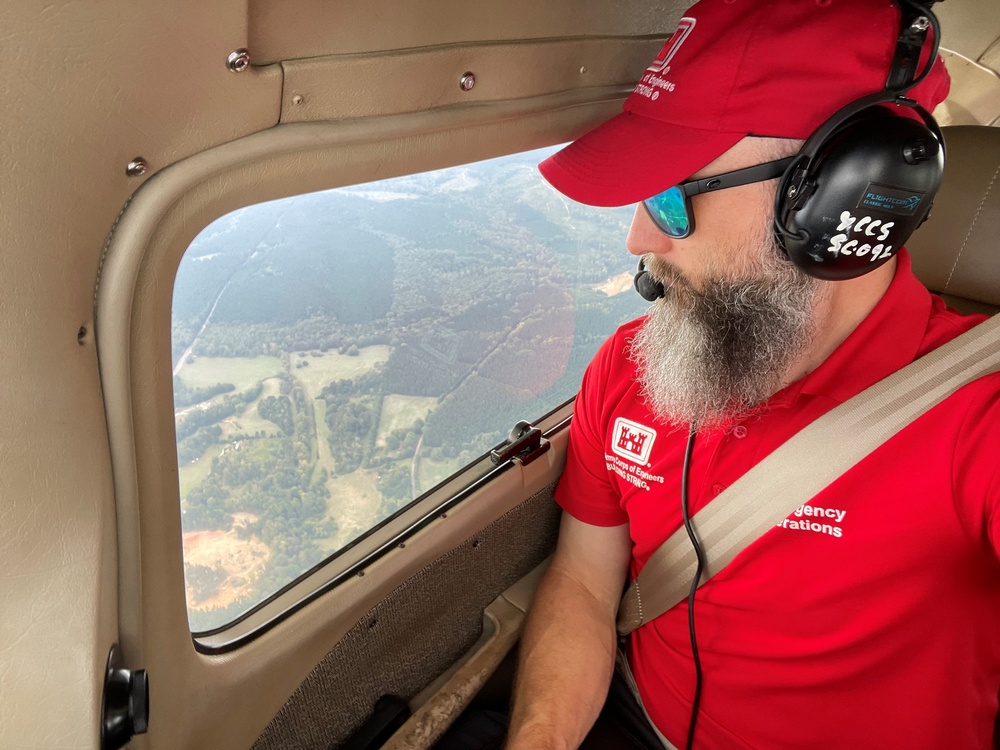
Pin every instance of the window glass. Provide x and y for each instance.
(339, 353)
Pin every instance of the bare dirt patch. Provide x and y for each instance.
(242, 561)
(615, 285)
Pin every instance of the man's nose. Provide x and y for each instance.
(644, 236)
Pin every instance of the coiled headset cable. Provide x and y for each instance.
(700, 554)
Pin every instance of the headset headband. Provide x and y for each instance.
(914, 23)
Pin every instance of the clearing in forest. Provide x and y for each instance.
(250, 421)
(328, 367)
(402, 412)
(355, 504)
(242, 372)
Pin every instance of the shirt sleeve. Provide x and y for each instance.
(586, 490)
(976, 469)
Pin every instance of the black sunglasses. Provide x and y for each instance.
(671, 209)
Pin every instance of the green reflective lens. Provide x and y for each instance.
(669, 212)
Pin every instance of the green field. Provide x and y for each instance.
(355, 500)
(354, 504)
(328, 367)
(401, 412)
(193, 474)
(324, 460)
(242, 372)
(431, 473)
(272, 387)
(250, 420)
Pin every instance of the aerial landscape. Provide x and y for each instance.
(338, 354)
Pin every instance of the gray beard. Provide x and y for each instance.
(711, 356)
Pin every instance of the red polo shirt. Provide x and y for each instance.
(870, 618)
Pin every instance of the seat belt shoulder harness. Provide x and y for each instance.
(790, 477)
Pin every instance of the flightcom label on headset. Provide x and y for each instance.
(892, 200)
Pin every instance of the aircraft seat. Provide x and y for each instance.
(957, 251)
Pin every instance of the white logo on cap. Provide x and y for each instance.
(684, 29)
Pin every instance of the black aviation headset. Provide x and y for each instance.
(866, 179)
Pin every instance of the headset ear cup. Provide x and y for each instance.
(861, 195)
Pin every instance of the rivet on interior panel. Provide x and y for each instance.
(238, 60)
(583, 69)
(137, 167)
(81, 335)
(468, 81)
(297, 99)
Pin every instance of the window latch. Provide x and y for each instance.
(524, 444)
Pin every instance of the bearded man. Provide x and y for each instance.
(879, 626)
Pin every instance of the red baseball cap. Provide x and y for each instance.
(734, 68)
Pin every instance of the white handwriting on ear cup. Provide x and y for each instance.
(846, 221)
(866, 225)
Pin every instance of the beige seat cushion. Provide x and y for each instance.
(957, 251)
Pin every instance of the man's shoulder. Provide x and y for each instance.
(615, 349)
(944, 324)
(611, 371)
(627, 330)
(978, 400)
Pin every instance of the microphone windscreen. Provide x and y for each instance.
(648, 288)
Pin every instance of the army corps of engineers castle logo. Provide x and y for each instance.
(632, 441)
(662, 62)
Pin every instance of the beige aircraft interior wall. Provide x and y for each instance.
(971, 28)
(85, 88)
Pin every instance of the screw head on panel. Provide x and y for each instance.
(238, 60)
(137, 167)
(468, 81)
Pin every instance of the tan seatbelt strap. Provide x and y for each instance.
(791, 475)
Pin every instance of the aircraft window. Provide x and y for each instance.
(338, 354)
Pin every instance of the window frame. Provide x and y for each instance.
(133, 319)
(258, 614)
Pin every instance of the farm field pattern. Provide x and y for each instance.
(337, 354)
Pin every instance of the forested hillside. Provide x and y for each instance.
(339, 353)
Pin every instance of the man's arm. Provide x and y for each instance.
(568, 647)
